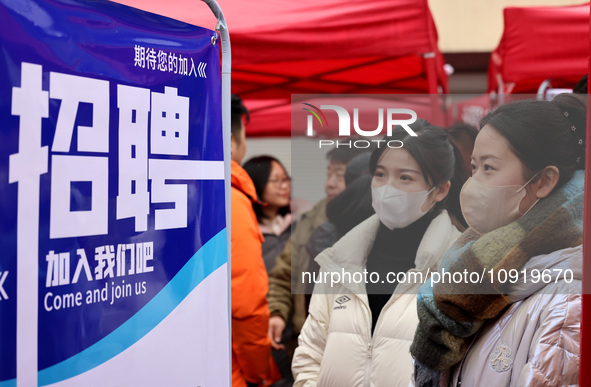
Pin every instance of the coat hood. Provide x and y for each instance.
(242, 181)
(350, 252)
(542, 270)
(276, 226)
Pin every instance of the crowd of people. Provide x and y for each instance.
(502, 202)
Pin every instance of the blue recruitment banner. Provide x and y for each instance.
(113, 265)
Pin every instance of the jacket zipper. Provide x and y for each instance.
(369, 346)
(368, 366)
(459, 382)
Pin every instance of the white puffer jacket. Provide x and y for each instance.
(535, 342)
(336, 347)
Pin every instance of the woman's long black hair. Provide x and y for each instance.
(259, 170)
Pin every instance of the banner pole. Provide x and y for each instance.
(222, 28)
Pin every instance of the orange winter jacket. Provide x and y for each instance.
(251, 346)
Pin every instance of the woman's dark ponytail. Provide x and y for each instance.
(543, 133)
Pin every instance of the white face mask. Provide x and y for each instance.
(488, 207)
(396, 208)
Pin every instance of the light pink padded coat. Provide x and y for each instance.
(535, 342)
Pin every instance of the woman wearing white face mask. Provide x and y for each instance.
(524, 206)
(360, 326)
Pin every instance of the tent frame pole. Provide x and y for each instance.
(585, 343)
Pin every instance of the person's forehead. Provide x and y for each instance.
(276, 168)
(489, 140)
(337, 165)
(398, 159)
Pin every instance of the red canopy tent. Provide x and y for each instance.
(540, 43)
(287, 47)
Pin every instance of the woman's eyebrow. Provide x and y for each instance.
(408, 170)
(486, 156)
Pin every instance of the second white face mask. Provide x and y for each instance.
(396, 208)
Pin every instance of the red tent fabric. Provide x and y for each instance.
(428, 107)
(286, 47)
(540, 43)
(585, 372)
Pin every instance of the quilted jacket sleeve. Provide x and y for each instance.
(312, 341)
(554, 351)
(251, 346)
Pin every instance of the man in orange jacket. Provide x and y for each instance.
(251, 346)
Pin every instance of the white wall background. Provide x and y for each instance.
(477, 26)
